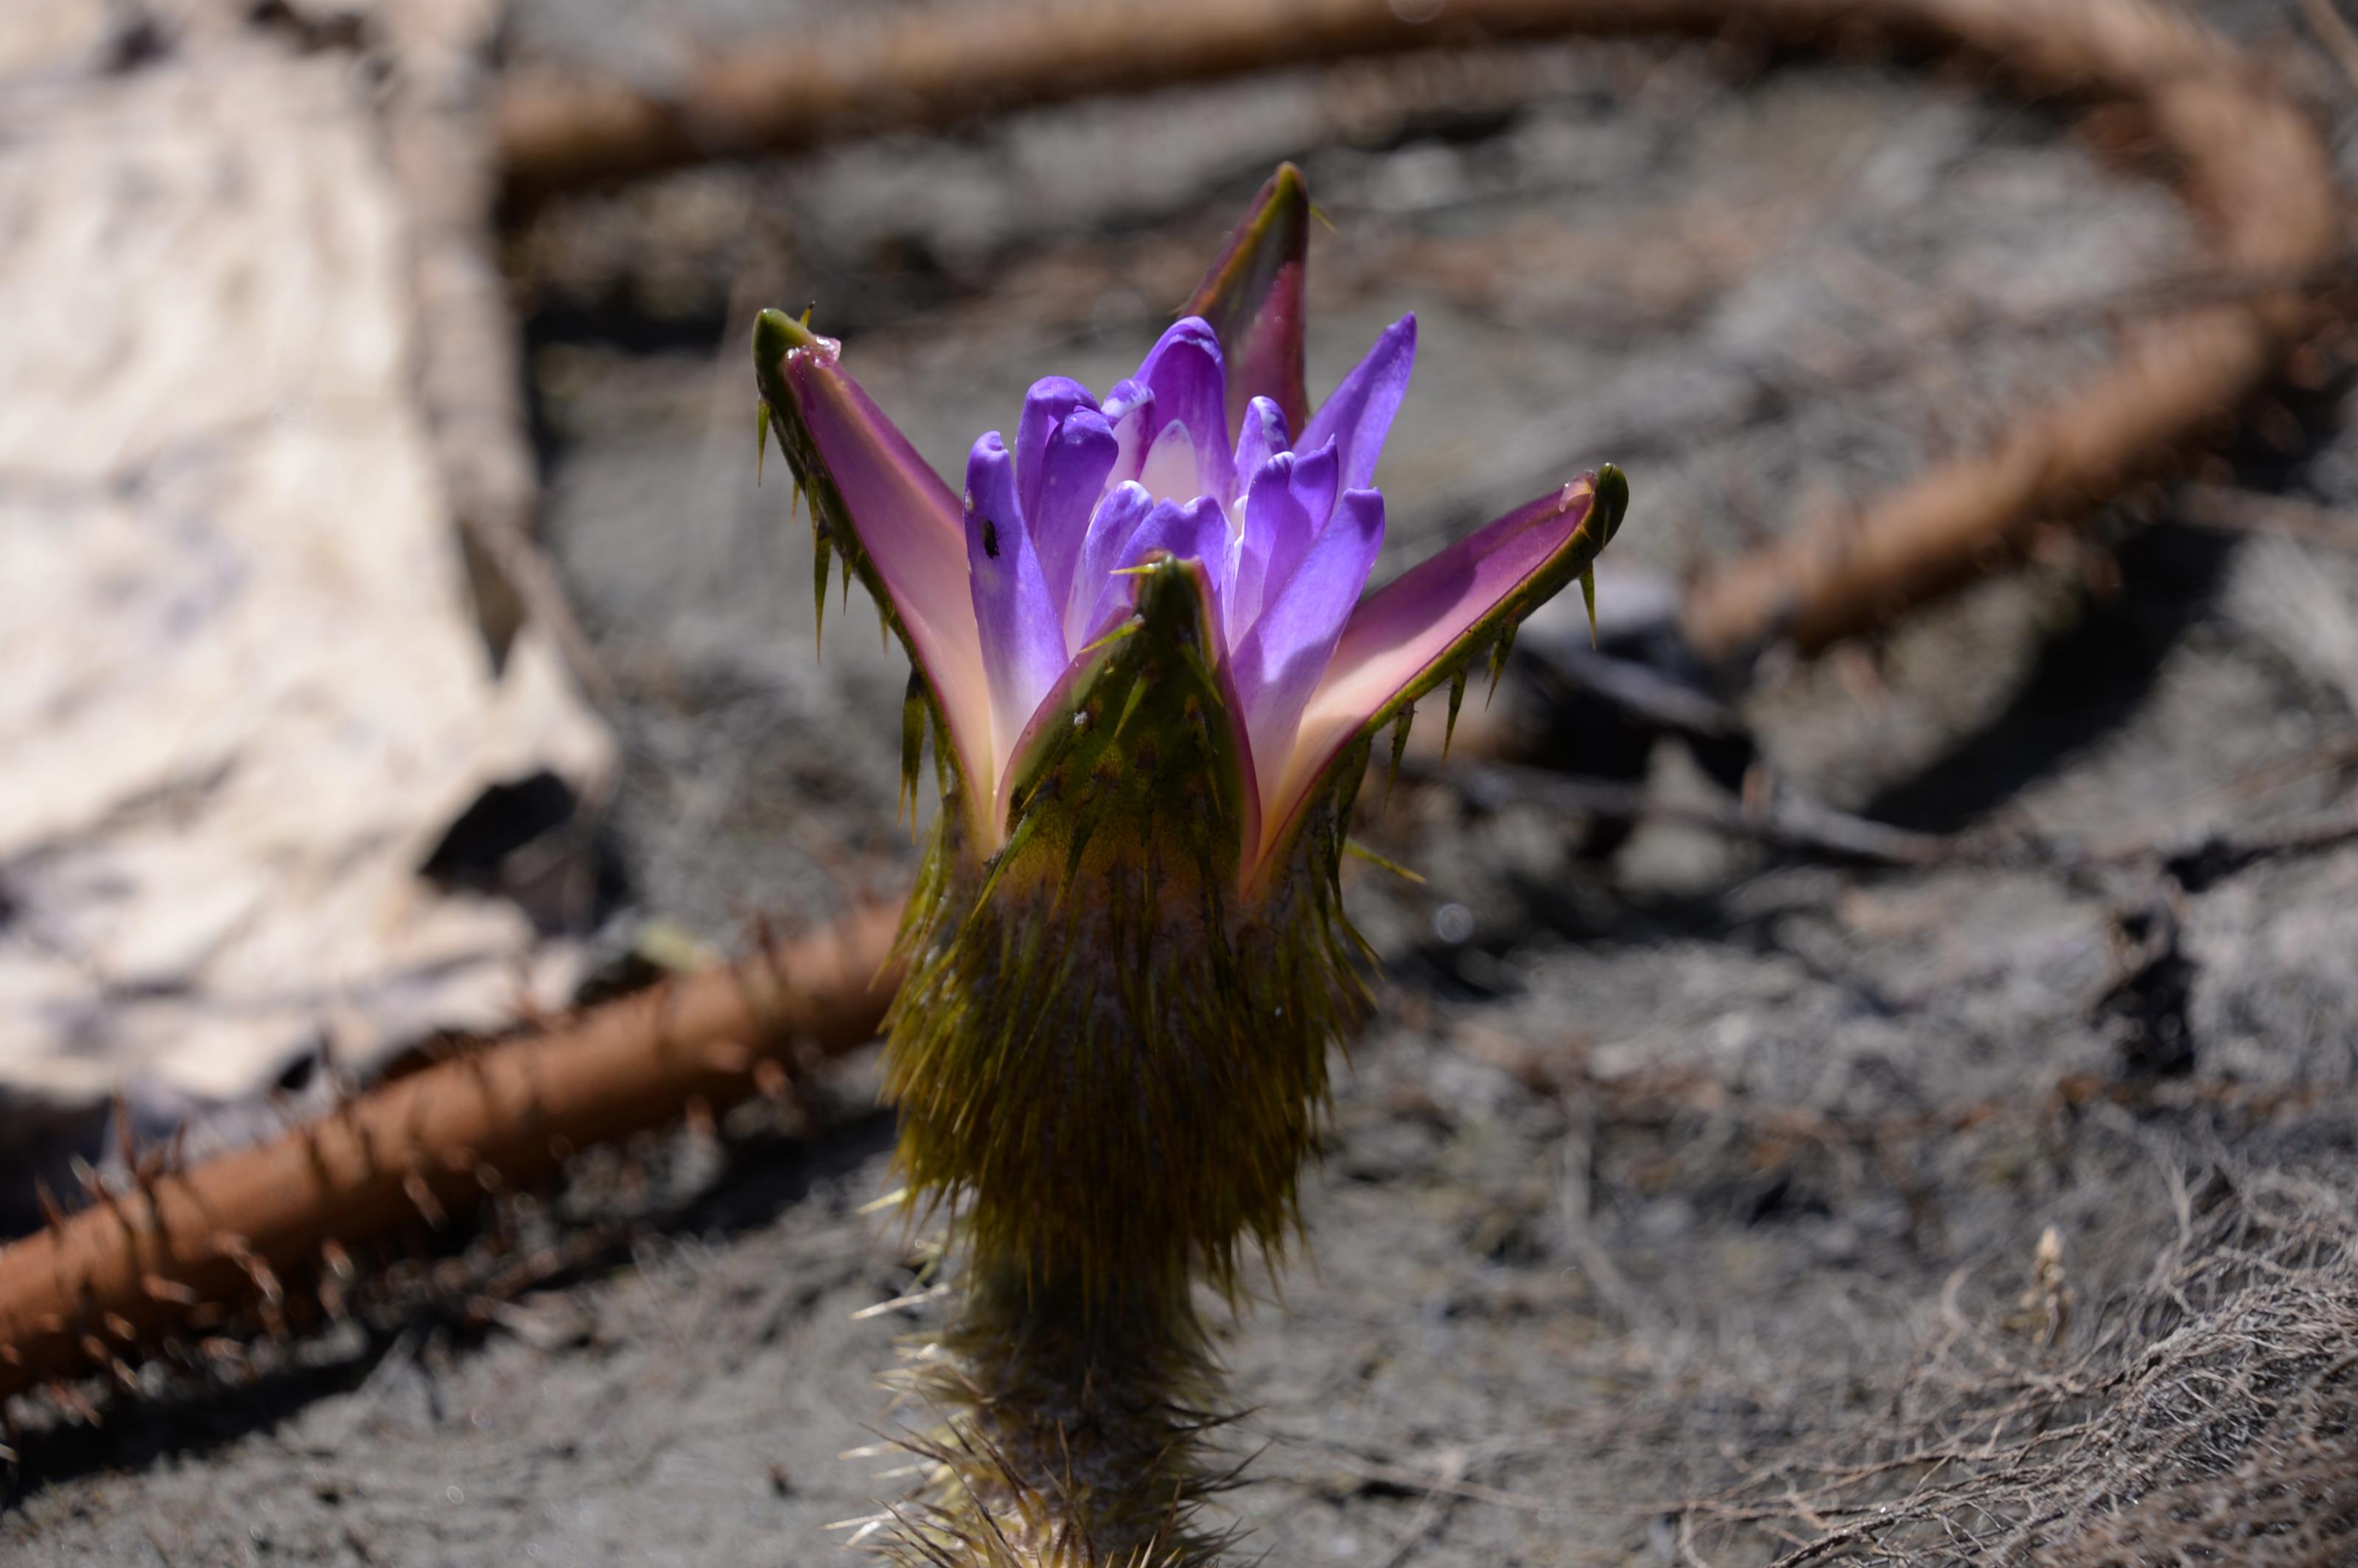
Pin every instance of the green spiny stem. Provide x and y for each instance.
(1074, 1426)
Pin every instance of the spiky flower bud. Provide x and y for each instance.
(1141, 647)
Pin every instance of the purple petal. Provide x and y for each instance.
(1125, 506)
(1131, 408)
(1280, 661)
(1073, 465)
(1253, 297)
(1360, 413)
(1401, 634)
(1290, 499)
(1184, 373)
(1023, 635)
(906, 517)
(1262, 438)
(1045, 407)
(1194, 530)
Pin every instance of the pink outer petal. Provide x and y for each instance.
(913, 530)
(1400, 636)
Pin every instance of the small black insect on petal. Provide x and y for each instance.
(991, 538)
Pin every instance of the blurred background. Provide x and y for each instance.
(400, 650)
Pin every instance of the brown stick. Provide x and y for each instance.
(91, 1288)
(2253, 170)
(2251, 166)
(938, 67)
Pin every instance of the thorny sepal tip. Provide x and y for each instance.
(888, 517)
(1253, 298)
(1428, 626)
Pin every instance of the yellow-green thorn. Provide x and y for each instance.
(761, 438)
(1498, 651)
(1352, 847)
(821, 549)
(1399, 747)
(1456, 698)
(912, 747)
(1588, 597)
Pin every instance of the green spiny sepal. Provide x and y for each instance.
(776, 334)
(1493, 636)
(835, 537)
(1106, 1061)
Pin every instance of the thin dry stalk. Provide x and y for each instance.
(96, 1290)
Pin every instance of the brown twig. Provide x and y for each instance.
(2257, 174)
(1781, 818)
(938, 67)
(2249, 165)
(91, 1292)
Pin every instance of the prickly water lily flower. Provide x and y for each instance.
(1143, 646)
(1280, 539)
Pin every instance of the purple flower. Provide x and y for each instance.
(1285, 534)
(1209, 456)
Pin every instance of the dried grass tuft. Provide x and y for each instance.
(2208, 1415)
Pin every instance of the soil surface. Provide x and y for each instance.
(1667, 1157)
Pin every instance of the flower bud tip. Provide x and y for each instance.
(1611, 498)
(777, 335)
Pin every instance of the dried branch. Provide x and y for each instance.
(2252, 168)
(1779, 817)
(2249, 165)
(97, 1289)
(935, 69)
